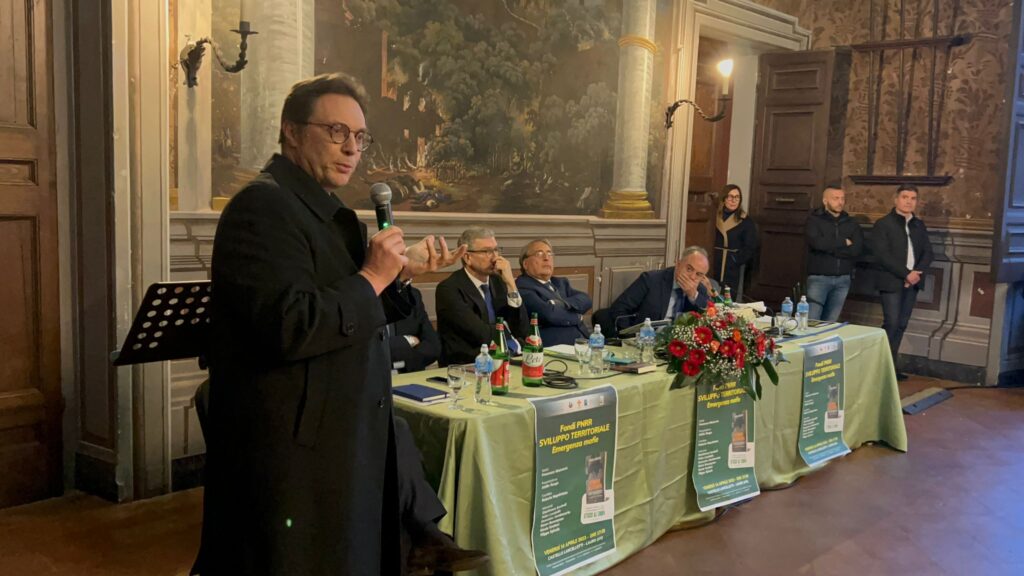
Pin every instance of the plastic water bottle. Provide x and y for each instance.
(482, 366)
(597, 350)
(785, 313)
(803, 309)
(646, 341)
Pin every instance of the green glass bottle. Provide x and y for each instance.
(533, 356)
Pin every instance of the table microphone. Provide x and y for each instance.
(380, 194)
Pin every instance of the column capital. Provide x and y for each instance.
(634, 40)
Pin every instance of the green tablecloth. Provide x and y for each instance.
(482, 460)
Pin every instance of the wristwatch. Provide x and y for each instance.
(513, 294)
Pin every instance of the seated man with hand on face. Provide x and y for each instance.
(470, 300)
(559, 307)
(665, 294)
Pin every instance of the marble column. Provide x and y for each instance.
(281, 55)
(628, 197)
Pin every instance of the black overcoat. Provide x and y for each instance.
(300, 475)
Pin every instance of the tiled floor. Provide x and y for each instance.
(953, 505)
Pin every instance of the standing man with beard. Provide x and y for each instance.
(903, 251)
(834, 242)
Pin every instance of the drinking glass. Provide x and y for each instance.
(582, 347)
(456, 378)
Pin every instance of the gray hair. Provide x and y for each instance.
(690, 250)
(523, 253)
(474, 233)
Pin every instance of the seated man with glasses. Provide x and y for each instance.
(665, 294)
(559, 307)
(470, 300)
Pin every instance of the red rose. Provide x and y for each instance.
(702, 335)
(695, 314)
(691, 369)
(677, 348)
(697, 357)
(726, 348)
(740, 361)
(740, 349)
(761, 347)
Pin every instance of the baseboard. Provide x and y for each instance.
(187, 472)
(940, 369)
(96, 476)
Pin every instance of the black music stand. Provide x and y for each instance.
(172, 323)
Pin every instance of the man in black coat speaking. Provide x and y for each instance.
(302, 473)
(903, 251)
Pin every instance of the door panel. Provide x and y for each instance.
(797, 151)
(1008, 247)
(30, 401)
(709, 151)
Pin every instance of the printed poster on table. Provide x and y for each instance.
(723, 462)
(574, 496)
(821, 416)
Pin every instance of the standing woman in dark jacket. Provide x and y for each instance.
(735, 239)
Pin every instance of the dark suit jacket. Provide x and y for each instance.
(889, 246)
(648, 297)
(559, 313)
(462, 317)
(416, 324)
(300, 390)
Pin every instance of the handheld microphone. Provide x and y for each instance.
(380, 194)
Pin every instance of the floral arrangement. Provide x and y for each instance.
(719, 348)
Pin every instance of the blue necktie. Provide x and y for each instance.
(680, 302)
(489, 302)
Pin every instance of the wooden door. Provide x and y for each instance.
(1008, 247)
(798, 148)
(30, 400)
(709, 151)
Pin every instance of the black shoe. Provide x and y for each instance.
(439, 553)
(901, 376)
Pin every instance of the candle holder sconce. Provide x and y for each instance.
(191, 56)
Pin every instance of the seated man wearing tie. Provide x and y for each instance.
(559, 307)
(664, 294)
(413, 341)
(469, 301)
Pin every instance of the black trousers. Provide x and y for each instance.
(896, 310)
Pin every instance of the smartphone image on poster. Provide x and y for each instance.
(739, 432)
(832, 410)
(595, 477)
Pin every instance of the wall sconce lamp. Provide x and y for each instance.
(725, 69)
(191, 56)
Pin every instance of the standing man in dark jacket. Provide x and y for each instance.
(903, 251)
(834, 243)
(559, 307)
(303, 472)
(470, 300)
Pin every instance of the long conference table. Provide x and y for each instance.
(482, 460)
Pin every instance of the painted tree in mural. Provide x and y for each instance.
(524, 90)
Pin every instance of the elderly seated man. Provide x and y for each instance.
(559, 306)
(470, 300)
(665, 294)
